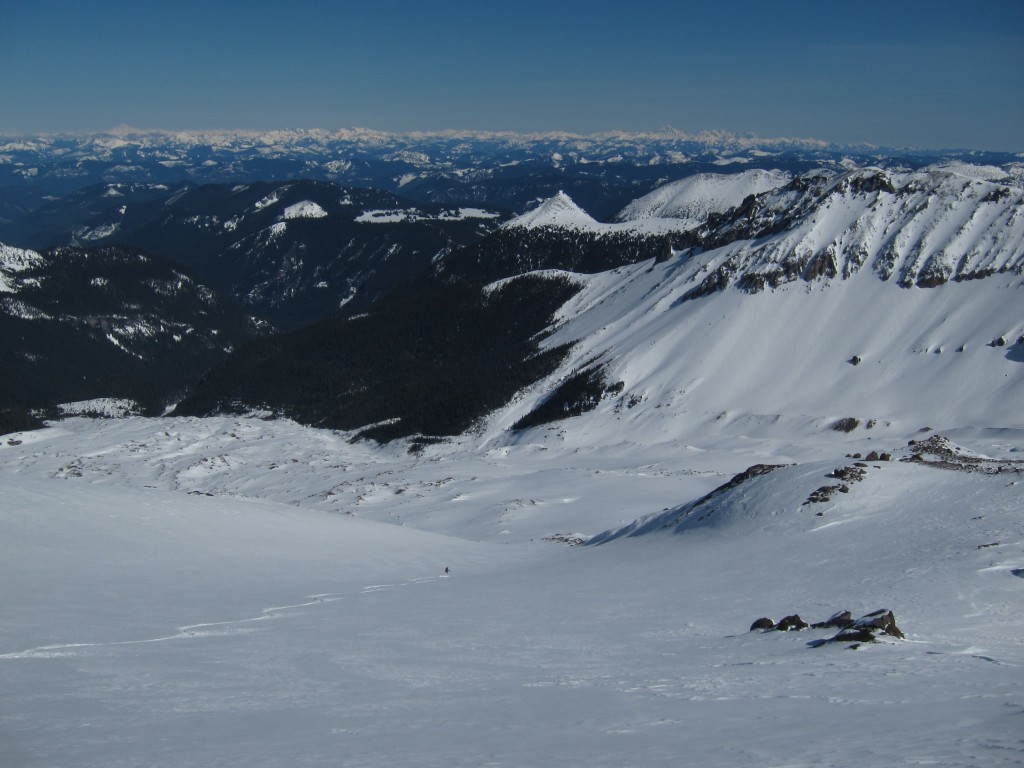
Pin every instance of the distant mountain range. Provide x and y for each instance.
(423, 306)
(602, 172)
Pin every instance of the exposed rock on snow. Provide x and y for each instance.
(918, 229)
(938, 451)
(791, 623)
(847, 424)
(867, 629)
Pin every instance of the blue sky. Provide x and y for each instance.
(930, 74)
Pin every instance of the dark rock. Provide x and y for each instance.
(846, 425)
(791, 624)
(885, 457)
(866, 629)
(849, 474)
(840, 620)
(881, 620)
(873, 456)
(996, 195)
(821, 265)
(853, 636)
(823, 494)
(855, 360)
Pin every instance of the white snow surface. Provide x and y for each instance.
(401, 215)
(12, 261)
(562, 212)
(249, 592)
(307, 209)
(557, 211)
(691, 200)
(106, 407)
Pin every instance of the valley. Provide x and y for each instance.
(520, 502)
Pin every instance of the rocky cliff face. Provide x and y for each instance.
(916, 229)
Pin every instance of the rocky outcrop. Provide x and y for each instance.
(921, 229)
(869, 628)
(939, 452)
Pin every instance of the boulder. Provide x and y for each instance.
(838, 620)
(867, 629)
(791, 624)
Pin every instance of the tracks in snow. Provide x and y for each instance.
(214, 628)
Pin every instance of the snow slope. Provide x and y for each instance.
(148, 626)
(918, 229)
(693, 198)
(787, 332)
(557, 211)
(561, 212)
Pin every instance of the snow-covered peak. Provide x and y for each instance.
(13, 260)
(693, 199)
(557, 211)
(307, 209)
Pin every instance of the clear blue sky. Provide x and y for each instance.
(930, 74)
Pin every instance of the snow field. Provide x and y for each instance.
(150, 626)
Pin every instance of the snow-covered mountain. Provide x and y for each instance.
(693, 199)
(919, 229)
(833, 296)
(810, 404)
(891, 300)
(83, 323)
(558, 211)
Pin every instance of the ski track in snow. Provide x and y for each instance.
(633, 652)
(192, 631)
